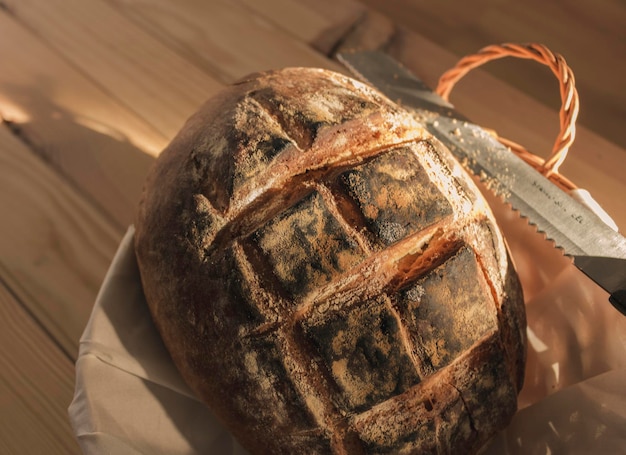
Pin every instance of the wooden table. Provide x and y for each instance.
(92, 90)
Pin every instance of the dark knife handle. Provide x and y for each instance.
(618, 300)
(609, 273)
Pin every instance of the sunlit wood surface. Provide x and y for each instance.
(92, 90)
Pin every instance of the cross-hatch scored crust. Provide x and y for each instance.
(381, 272)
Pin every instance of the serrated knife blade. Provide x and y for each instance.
(596, 249)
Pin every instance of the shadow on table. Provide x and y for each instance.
(89, 151)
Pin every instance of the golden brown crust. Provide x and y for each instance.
(325, 275)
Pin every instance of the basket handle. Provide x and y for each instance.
(569, 98)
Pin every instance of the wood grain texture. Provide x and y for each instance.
(87, 135)
(36, 386)
(55, 247)
(223, 37)
(321, 23)
(130, 64)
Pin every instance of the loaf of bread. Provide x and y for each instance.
(326, 276)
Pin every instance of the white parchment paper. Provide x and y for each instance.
(129, 398)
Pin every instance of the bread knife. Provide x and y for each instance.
(596, 249)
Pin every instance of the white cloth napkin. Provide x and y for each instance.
(129, 398)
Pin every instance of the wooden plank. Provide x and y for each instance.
(288, 15)
(130, 64)
(224, 37)
(36, 386)
(55, 247)
(311, 22)
(95, 141)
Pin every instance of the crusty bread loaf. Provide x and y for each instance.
(325, 275)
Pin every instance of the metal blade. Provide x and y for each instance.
(597, 250)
